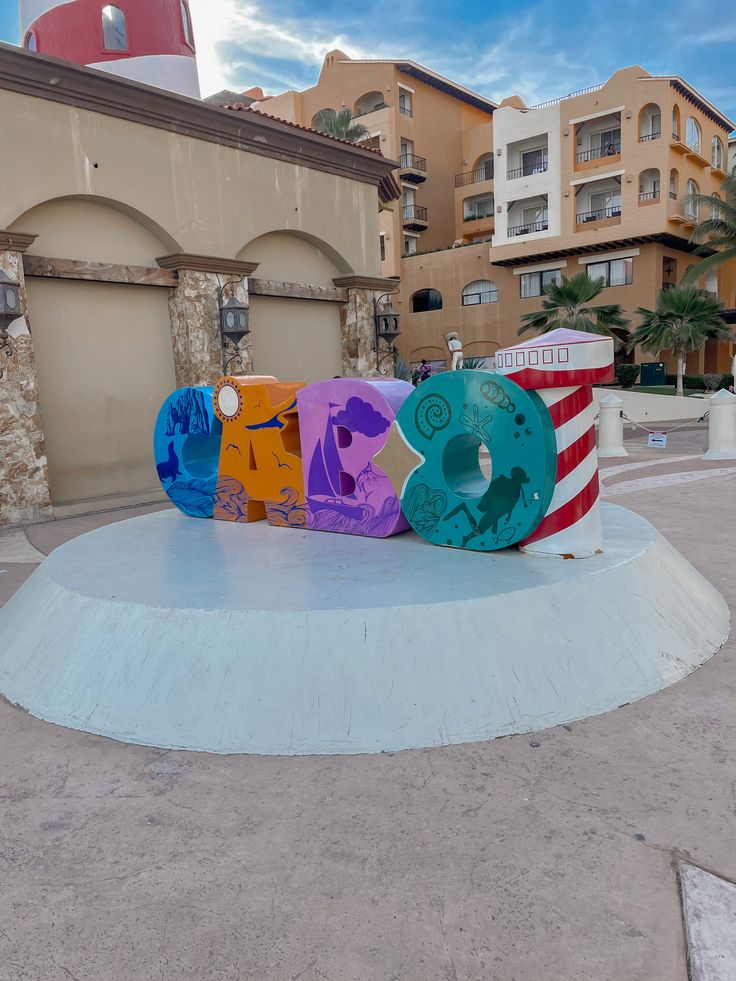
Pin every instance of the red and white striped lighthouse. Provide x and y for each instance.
(561, 367)
(148, 41)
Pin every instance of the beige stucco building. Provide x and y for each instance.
(127, 214)
(517, 196)
(414, 116)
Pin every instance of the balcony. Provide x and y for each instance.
(528, 228)
(677, 145)
(415, 217)
(413, 168)
(473, 177)
(648, 137)
(598, 141)
(611, 152)
(527, 171)
(683, 218)
(600, 214)
(367, 110)
(481, 223)
(648, 197)
(697, 158)
(478, 216)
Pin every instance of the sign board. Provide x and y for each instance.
(657, 440)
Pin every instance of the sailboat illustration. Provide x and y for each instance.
(328, 484)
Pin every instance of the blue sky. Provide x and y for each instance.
(539, 49)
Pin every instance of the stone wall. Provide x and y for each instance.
(24, 487)
(358, 335)
(195, 327)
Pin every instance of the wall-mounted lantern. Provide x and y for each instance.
(9, 311)
(387, 327)
(234, 325)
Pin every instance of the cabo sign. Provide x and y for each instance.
(374, 457)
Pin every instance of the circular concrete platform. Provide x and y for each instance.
(232, 638)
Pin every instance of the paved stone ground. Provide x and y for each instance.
(543, 857)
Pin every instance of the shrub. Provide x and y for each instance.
(627, 374)
(402, 370)
(726, 380)
(689, 381)
(472, 363)
(712, 381)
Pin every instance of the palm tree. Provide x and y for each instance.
(567, 304)
(341, 125)
(721, 226)
(684, 319)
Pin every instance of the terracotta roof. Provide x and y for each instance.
(241, 107)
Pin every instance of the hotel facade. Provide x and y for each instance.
(499, 200)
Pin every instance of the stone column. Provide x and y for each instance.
(24, 480)
(195, 317)
(360, 357)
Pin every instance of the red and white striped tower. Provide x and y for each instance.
(147, 41)
(561, 367)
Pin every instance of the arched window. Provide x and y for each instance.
(323, 119)
(424, 300)
(480, 291)
(715, 209)
(692, 135)
(114, 31)
(186, 21)
(716, 153)
(675, 123)
(649, 184)
(483, 170)
(674, 183)
(691, 208)
(30, 42)
(650, 123)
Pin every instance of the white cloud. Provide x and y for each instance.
(245, 26)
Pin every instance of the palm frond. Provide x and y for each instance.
(684, 318)
(568, 304)
(709, 263)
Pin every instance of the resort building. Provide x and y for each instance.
(499, 200)
(413, 116)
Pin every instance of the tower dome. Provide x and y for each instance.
(149, 41)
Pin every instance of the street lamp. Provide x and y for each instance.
(387, 328)
(9, 311)
(234, 325)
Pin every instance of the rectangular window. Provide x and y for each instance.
(405, 104)
(410, 245)
(383, 248)
(530, 216)
(534, 161)
(615, 272)
(606, 143)
(532, 284)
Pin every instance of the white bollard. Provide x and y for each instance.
(611, 427)
(722, 427)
